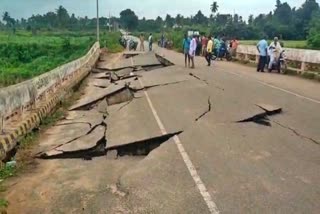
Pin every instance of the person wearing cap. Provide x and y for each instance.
(274, 52)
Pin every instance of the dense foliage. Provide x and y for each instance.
(284, 21)
(23, 55)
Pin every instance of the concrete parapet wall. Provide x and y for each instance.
(26, 94)
(305, 58)
(24, 105)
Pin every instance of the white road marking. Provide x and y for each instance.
(193, 172)
(276, 87)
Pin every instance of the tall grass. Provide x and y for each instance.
(24, 56)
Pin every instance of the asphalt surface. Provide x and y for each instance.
(268, 164)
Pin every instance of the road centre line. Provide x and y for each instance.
(192, 170)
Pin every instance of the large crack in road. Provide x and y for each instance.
(206, 112)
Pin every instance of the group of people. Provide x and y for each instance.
(208, 47)
(150, 42)
(272, 51)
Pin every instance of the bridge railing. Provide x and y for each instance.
(301, 60)
(15, 100)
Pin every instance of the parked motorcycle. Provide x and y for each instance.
(123, 42)
(280, 65)
(133, 45)
(222, 53)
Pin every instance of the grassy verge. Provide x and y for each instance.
(24, 56)
(110, 40)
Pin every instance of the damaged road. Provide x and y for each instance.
(162, 139)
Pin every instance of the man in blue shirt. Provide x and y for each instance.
(262, 48)
(186, 47)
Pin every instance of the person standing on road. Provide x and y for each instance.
(141, 42)
(209, 49)
(274, 52)
(162, 40)
(150, 42)
(192, 50)
(204, 42)
(185, 48)
(234, 45)
(262, 47)
(216, 46)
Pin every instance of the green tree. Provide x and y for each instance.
(304, 15)
(199, 18)
(179, 19)
(283, 14)
(314, 32)
(62, 17)
(128, 19)
(250, 20)
(169, 21)
(10, 22)
(159, 20)
(214, 7)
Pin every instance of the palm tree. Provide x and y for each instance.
(6, 18)
(214, 7)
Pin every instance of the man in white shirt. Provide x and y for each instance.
(192, 50)
(274, 52)
(150, 42)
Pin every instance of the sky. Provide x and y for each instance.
(143, 8)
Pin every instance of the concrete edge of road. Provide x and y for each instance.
(9, 141)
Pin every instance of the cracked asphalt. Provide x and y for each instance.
(215, 165)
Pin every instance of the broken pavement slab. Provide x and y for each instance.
(124, 72)
(80, 147)
(100, 83)
(270, 109)
(142, 60)
(95, 96)
(250, 114)
(59, 135)
(131, 122)
(105, 75)
(92, 117)
(97, 71)
(86, 142)
(147, 59)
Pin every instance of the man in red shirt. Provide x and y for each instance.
(204, 43)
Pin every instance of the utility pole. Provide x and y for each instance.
(98, 27)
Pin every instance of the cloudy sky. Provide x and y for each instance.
(146, 8)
